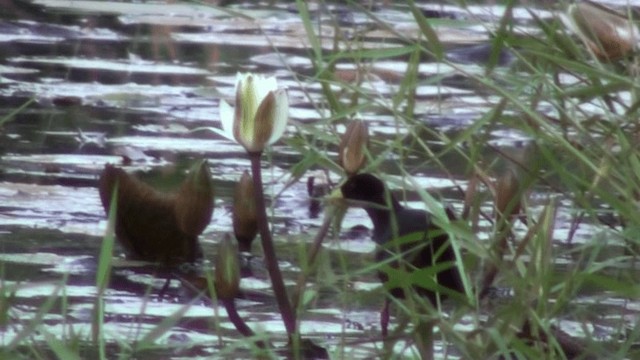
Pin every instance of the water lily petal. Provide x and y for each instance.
(240, 77)
(264, 86)
(246, 107)
(280, 115)
(217, 131)
(248, 98)
(226, 119)
(258, 87)
(263, 127)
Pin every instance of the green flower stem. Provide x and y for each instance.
(270, 259)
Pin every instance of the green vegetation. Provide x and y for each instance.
(579, 118)
(581, 115)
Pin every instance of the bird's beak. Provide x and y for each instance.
(336, 194)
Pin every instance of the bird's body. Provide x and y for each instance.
(409, 232)
(151, 226)
(418, 250)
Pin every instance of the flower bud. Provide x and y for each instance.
(245, 219)
(508, 195)
(227, 272)
(353, 147)
(609, 35)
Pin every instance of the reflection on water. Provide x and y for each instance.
(127, 83)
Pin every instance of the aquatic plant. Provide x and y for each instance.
(259, 120)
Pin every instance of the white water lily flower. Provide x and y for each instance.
(260, 115)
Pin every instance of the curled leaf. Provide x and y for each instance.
(194, 200)
(145, 220)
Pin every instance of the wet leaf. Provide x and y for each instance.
(146, 224)
(194, 200)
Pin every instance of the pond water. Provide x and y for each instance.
(86, 83)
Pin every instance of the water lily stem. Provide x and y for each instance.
(236, 320)
(270, 259)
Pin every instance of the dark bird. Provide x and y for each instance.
(391, 222)
(158, 227)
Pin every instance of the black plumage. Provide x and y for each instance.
(428, 247)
